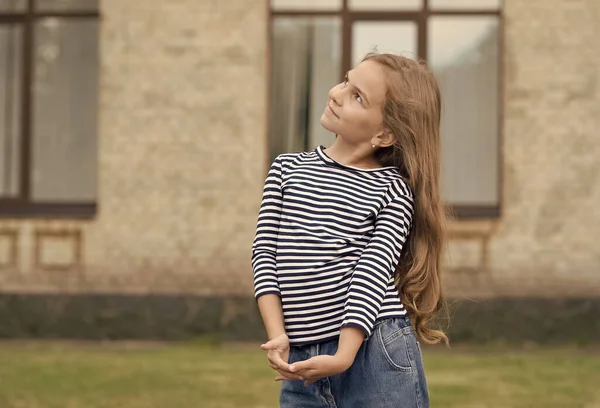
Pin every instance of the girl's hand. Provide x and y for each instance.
(318, 367)
(278, 352)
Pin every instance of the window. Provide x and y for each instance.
(314, 42)
(48, 107)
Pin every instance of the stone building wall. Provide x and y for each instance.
(182, 158)
(182, 155)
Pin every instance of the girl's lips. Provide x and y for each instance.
(332, 112)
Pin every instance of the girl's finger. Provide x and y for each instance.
(278, 361)
(280, 368)
(287, 376)
(301, 365)
(284, 372)
(308, 373)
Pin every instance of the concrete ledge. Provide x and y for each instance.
(513, 320)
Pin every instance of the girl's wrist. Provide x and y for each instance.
(346, 359)
(276, 334)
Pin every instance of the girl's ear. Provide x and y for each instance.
(383, 139)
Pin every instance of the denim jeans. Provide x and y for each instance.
(387, 372)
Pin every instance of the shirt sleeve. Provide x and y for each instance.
(377, 263)
(265, 241)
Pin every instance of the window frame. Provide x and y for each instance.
(421, 18)
(22, 205)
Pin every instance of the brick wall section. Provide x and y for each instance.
(182, 159)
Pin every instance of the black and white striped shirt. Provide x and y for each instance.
(328, 239)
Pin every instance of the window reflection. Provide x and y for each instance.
(385, 4)
(12, 5)
(463, 52)
(306, 4)
(64, 111)
(11, 52)
(305, 64)
(396, 37)
(67, 5)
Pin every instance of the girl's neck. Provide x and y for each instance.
(360, 156)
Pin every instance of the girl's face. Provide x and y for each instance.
(354, 107)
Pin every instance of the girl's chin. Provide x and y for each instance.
(326, 123)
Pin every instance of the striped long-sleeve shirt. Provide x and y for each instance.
(327, 242)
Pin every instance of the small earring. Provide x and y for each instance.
(373, 146)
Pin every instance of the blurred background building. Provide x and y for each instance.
(135, 137)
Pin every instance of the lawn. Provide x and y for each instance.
(128, 375)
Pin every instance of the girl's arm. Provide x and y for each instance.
(264, 251)
(272, 315)
(264, 247)
(264, 267)
(278, 346)
(374, 270)
(351, 338)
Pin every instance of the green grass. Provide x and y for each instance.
(126, 375)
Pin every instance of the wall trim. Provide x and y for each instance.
(236, 318)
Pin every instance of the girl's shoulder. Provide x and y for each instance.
(400, 187)
(285, 159)
(295, 155)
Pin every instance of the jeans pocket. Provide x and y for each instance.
(395, 349)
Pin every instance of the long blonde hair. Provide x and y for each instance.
(412, 113)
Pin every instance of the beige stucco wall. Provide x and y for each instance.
(182, 144)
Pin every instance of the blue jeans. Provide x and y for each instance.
(387, 372)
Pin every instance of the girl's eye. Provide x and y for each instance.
(358, 98)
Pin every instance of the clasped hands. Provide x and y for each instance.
(311, 370)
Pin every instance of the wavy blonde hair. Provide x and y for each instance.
(412, 113)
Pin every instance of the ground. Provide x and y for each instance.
(200, 374)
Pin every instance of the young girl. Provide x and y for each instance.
(348, 245)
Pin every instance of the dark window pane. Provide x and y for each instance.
(12, 5)
(305, 64)
(66, 5)
(396, 37)
(306, 4)
(11, 42)
(463, 52)
(65, 110)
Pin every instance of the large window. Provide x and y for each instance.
(48, 107)
(313, 43)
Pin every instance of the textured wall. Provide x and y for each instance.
(182, 159)
(181, 156)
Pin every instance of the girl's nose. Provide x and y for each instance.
(335, 95)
